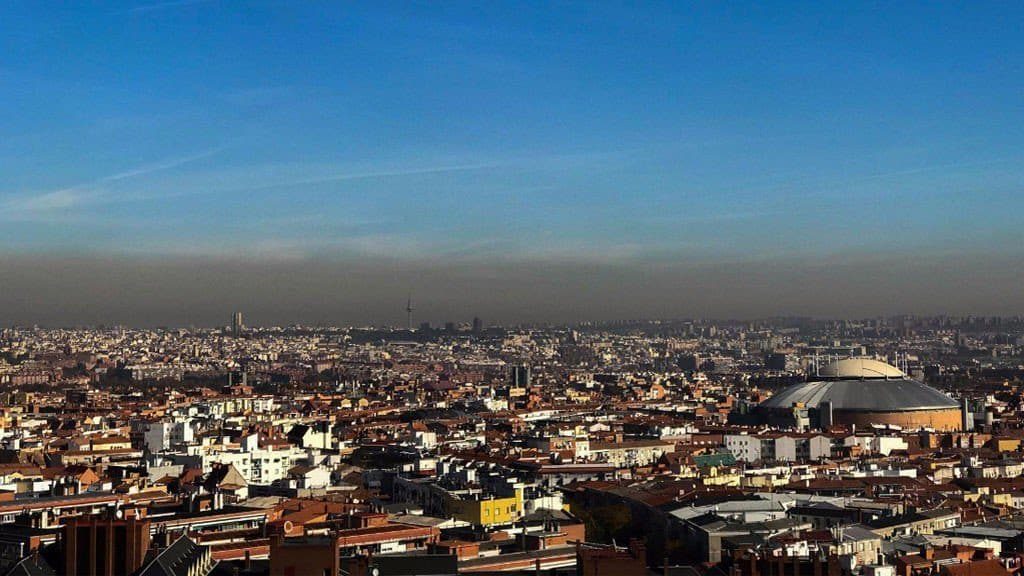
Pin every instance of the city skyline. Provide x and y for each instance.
(521, 162)
(177, 293)
(531, 288)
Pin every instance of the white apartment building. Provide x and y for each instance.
(160, 436)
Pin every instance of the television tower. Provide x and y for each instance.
(408, 313)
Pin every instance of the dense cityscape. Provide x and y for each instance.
(880, 447)
(514, 287)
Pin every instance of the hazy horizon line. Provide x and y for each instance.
(182, 291)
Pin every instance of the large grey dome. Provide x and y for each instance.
(863, 392)
(863, 396)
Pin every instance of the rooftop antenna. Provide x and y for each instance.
(408, 312)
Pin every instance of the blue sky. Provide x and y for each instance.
(561, 131)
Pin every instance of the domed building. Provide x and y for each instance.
(862, 392)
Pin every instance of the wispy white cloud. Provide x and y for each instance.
(110, 188)
(284, 176)
(157, 6)
(158, 166)
(73, 196)
(380, 174)
(273, 177)
(55, 200)
(951, 166)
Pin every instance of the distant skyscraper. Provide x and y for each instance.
(236, 324)
(519, 376)
(408, 313)
(478, 325)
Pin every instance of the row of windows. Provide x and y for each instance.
(508, 510)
